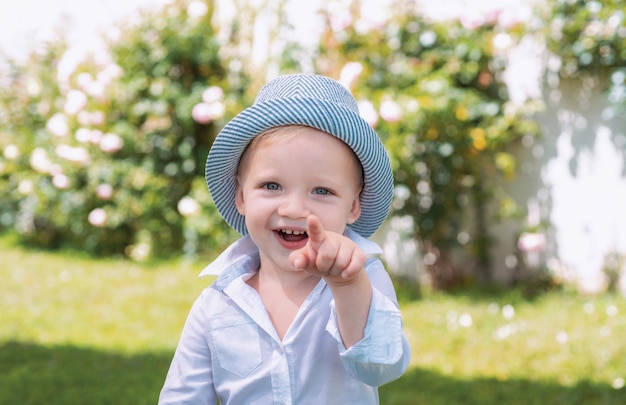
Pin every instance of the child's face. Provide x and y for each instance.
(284, 180)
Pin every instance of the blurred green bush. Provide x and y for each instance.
(106, 153)
(437, 97)
(586, 34)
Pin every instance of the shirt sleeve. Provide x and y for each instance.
(383, 354)
(190, 379)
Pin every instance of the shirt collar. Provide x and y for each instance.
(243, 252)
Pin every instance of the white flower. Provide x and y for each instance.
(33, 87)
(74, 101)
(428, 38)
(83, 79)
(67, 65)
(368, 113)
(97, 217)
(508, 311)
(82, 135)
(96, 89)
(465, 320)
(349, 73)
(217, 110)
(111, 143)
(76, 154)
(197, 9)
(25, 187)
(340, 20)
(61, 181)
(11, 152)
(514, 14)
(57, 125)
(104, 191)
(40, 161)
(531, 242)
(502, 41)
(390, 111)
(213, 94)
(188, 207)
(111, 72)
(201, 113)
(472, 19)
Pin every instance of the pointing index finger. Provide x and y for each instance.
(316, 233)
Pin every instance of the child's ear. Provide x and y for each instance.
(239, 203)
(355, 210)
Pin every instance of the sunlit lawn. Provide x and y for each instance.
(81, 331)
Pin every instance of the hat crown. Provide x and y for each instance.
(310, 100)
(309, 86)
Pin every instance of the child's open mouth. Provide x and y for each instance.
(292, 236)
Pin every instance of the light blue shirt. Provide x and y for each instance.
(229, 350)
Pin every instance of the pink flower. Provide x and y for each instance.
(61, 181)
(97, 217)
(111, 143)
(104, 191)
(201, 113)
(95, 136)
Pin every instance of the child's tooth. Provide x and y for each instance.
(288, 232)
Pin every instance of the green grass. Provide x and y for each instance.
(81, 331)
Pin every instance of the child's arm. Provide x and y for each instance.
(341, 263)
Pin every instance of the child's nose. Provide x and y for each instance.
(293, 206)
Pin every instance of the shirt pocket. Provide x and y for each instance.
(236, 343)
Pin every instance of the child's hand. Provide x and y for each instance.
(328, 254)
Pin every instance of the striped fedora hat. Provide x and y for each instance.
(314, 101)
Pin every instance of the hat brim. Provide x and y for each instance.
(334, 119)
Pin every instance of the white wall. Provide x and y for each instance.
(576, 173)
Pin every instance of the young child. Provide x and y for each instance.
(299, 313)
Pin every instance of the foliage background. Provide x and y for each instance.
(71, 327)
(105, 153)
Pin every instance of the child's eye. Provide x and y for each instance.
(321, 191)
(271, 186)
